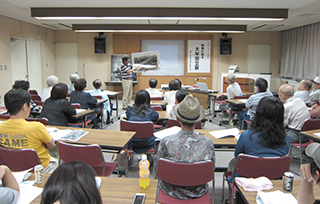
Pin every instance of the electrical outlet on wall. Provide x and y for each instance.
(5, 67)
(1, 67)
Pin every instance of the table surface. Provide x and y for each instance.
(106, 139)
(277, 185)
(117, 190)
(163, 115)
(236, 101)
(230, 142)
(83, 113)
(310, 134)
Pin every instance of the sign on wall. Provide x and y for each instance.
(199, 56)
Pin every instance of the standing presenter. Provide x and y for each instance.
(126, 75)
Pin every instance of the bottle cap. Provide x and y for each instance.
(144, 157)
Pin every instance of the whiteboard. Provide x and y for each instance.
(259, 58)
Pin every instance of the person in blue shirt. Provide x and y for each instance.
(142, 111)
(97, 84)
(267, 136)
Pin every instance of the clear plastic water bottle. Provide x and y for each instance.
(144, 172)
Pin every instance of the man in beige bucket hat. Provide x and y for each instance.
(310, 172)
(186, 146)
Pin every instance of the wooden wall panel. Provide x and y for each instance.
(120, 44)
(133, 44)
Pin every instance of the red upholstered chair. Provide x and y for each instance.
(173, 122)
(4, 116)
(143, 130)
(156, 98)
(33, 92)
(80, 124)
(309, 124)
(185, 174)
(157, 108)
(254, 167)
(41, 120)
(18, 159)
(90, 154)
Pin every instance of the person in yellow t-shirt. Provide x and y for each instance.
(17, 133)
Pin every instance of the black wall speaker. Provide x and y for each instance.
(100, 45)
(225, 46)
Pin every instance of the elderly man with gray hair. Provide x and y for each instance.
(295, 113)
(303, 91)
(73, 78)
(233, 89)
(51, 81)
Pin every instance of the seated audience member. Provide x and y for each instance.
(315, 93)
(261, 86)
(267, 136)
(33, 134)
(295, 113)
(303, 91)
(310, 172)
(180, 83)
(152, 89)
(73, 78)
(142, 111)
(51, 81)
(180, 95)
(85, 100)
(170, 97)
(315, 110)
(9, 190)
(97, 92)
(233, 89)
(187, 146)
(72, 182)
(25, 85)
(57, 109)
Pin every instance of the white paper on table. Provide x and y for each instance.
(169, 108)
(167, 132)
(275, 197)
(57, 134)
(317, 134)
(226, 133)
(21, 175)
(254, 184)
(98, 182)
(80, 111)
(28, 193)
(109, 92)
(243, 100)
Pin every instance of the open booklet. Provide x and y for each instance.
(234, 132)
(70, 135)
(166, 132)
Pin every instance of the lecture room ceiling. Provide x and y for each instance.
(301, 12)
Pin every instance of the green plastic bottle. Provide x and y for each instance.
(144, 173)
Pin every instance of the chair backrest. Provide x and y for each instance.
(4, 116)
(185, 174)
(33, 92)
(253, 166)
(242, 97)
(310, 124)
(76, 105)
(155, 98)
(143, 129)
(35, 98)
(18, 159)
(157, 108)
(90, 154)
(41, 120)
(173, 122)
(97, 96)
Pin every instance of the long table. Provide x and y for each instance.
(310, 134)
(250, 197)
(117, 190)
(106, 139)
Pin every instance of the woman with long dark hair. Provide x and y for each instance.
(72, 182)
(267, 137)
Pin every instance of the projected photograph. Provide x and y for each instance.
(116, 61)
(146, 60)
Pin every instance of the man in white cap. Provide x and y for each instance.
(310, 172)
(315, 93)
(186, 146)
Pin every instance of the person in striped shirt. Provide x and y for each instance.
(126, 75)
(261, 86)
